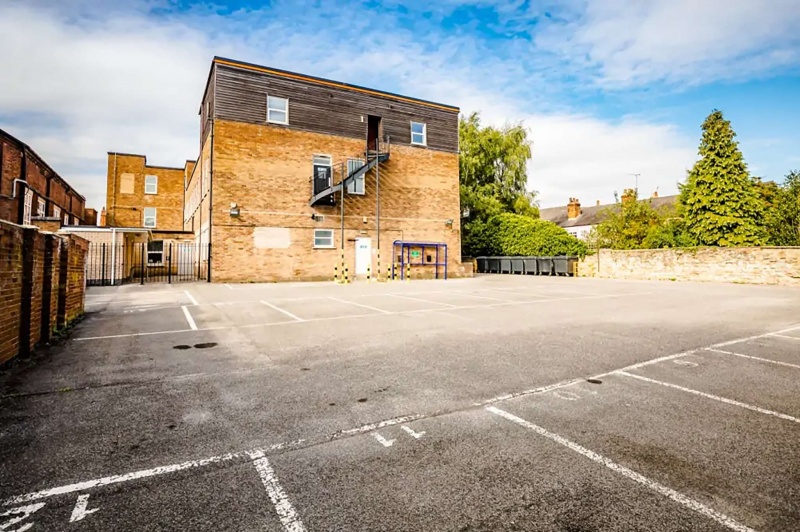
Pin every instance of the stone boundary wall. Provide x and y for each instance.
(757, 265)
(42, 286)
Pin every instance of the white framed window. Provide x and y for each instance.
(28, 211)
(355, 186)
(56, 211)
(151, 184)
(323, 238)
(419, 133)
(155, 252)
(66, 219)
(41, 207)
(150, 217)
(277, 110)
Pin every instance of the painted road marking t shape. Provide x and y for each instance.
(80, 511)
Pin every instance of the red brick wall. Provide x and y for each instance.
(37, 175)
(77, 248)
(10, 165)
(39, 243)
(24, 268)
(10, 289)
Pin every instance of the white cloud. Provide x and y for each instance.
(679, 41)
(79, 86)
(580, 156)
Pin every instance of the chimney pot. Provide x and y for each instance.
(573, 208)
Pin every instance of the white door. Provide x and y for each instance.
(363, 255)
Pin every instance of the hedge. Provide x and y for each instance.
(510, 234)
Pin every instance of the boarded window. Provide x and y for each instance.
(271, 238)
(126, 184)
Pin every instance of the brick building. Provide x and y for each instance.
(276, 150)
(30, 188)
(140, 195)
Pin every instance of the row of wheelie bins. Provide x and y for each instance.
(528, 265)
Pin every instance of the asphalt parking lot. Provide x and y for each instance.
(494, 403)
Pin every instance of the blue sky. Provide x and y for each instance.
(607, 88)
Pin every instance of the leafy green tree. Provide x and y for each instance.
(516, 235)
(720, 200)
(782, 204)
(626, 224)
(493, 176)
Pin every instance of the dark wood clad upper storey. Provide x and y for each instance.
(238, 92)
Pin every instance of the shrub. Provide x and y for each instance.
(514, 235)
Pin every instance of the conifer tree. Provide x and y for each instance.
(720, 200)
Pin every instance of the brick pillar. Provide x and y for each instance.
(61, 320)
(47, 287)
(26, 297)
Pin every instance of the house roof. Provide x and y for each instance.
(24, 147)
(594, 214)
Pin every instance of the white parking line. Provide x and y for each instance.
(286, 513)
(755, 358)
(449, 305)
(755, 336)
(286, 312)
(356, 316)
(710, 396)
(191, 297)
(468, 294)
(628, 473)
(786, 336)
(189, 318)
(145, 473)
(376, 309)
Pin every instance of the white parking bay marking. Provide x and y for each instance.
(412, 433)
(145, 473)
(786, 336)
(285, 312)
(80, 511)
(20, 514)
(628, 473)
(376, 309)
(191, 297)
(283, 507)
(769, 360)
(189, 318)
(383, 441)
(710, 396)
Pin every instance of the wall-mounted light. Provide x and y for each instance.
(449, 222)
(234, 209)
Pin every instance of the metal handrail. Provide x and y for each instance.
(340, 169)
